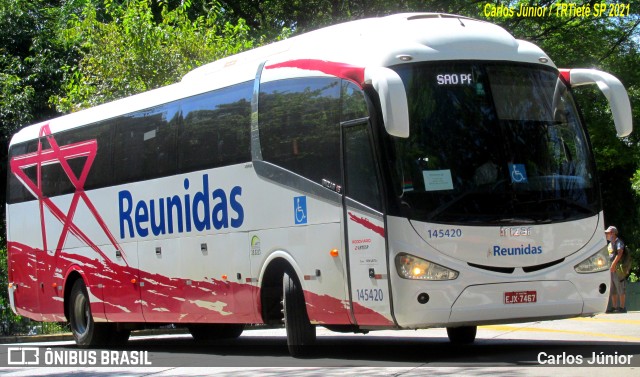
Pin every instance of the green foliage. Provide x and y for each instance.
(634, 276)
(30, 59)
(132, 52)
(269, 18)
(16, 97)
(71, 54)
(635, 182)
(31, 56)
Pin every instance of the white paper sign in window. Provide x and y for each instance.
(437, 180)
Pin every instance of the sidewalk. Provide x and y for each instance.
(68, 337)
(615, 326)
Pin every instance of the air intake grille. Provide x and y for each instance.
(509, 270)
(542, 266)
(504, 270)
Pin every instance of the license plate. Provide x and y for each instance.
(523, 297)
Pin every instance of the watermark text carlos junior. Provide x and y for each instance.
(597, 358)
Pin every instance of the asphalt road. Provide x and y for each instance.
(573, 347)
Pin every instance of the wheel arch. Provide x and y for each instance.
(271, 280)
(74, 273)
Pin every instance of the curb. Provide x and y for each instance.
(68, 337)
(35, 338)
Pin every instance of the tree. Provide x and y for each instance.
(30, 59)
(124, 50)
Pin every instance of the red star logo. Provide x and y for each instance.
(56, 154)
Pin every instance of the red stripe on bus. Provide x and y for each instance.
(342, 70)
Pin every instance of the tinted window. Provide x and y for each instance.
(360, 167)
(492, 143)
(214, 131)
(299, 126)
(354, 105)
(51, 171)
(145, 143)
(55, 180)
(216, 128)
(16, 191)
(100, 172)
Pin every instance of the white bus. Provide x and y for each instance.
(404, 172)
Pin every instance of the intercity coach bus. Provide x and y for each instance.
(403, 172)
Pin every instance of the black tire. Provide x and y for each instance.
(462, 334)
(301, 334)
(203, 332)
(85, 330)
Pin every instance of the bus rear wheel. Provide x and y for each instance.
(86, 332)
(462, 334)
(203, 332)
(301, 334)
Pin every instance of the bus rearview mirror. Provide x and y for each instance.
(393, 99)
(613, 90)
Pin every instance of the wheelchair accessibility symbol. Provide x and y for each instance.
(518, 173)
(300, 209)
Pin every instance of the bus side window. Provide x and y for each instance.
(145, 144)
(299, 126)
(54, 179)
(17, 192)
(216, 129)
(101, 170)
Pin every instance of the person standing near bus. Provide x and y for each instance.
(616, 248)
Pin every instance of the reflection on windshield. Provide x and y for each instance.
(491, 143)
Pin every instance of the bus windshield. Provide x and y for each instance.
(491, 143)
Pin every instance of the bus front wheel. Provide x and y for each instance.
(462, 334)
(301, 334)
(86, 331)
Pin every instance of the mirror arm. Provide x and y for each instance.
(612, 89)
(393, 99)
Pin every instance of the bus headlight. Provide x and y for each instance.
(411, 267)
(595, 263)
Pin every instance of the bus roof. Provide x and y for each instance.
(388, 41)
(372, 42)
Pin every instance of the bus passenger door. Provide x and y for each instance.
(365, 229)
